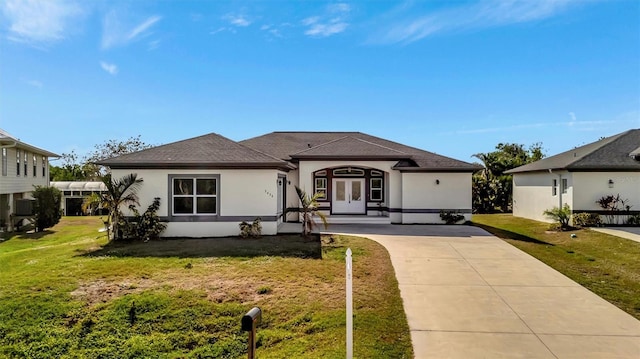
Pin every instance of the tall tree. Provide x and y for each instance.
(74, 168)
(69, 170)
(492, 189)
(109, 149)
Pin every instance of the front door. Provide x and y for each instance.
(348, 196)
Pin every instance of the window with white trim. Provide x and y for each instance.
(17, 162)
(26, 165)
(554, 187)
(321, 186)
(564, 185)
(35, 165)
(194, 195)
(375, 189)
(44, 166)
(4, 161)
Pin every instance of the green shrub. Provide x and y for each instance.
(634, 220)
(587, 219)
(251, 229)
(450, 217)
(560, 216)
(145, 226)
(47, 207)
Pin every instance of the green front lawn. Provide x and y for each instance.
(68, 294)
(607, 265)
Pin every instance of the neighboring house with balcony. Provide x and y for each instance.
(579, 177)
(207, 185)
(23, 166)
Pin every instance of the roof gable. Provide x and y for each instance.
(286, 145)
(210, 150)
(611, 153)
(351, 147)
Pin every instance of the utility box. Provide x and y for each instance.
(25, 207)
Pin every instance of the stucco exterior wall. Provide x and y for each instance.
(393, 178)
(425, 194)
(242, 195)
(592, 186)
(533, 194)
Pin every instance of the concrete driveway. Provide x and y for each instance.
(468, 294)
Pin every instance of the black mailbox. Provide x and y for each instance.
(251, 319)
(249, 323)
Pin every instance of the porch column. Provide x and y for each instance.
(10, 205)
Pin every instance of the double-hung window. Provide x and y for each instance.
(44, 166)
(35, 163)
(554, 187)
(26, 165)
(564, 185)
(194, 195)
(375, 189)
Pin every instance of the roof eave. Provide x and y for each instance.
(436, 169)
(199, 165)
(9, 142)
(352, 157)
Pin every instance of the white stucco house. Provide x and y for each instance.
(23, 166)
(208, 184)
(579, 177)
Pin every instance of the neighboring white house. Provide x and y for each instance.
(23, 166)
(579, 177)
(74, 194)
(208, 184)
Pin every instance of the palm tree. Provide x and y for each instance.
(308, 209)
(120, 192)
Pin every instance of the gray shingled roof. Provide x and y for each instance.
(350, 147)
(287, 145)
(208, 151)
(609, 154)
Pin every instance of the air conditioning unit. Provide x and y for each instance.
(25, 207)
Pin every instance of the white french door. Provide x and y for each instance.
(348, 196)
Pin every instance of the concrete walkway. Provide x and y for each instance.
(632, 233)
(468, 294)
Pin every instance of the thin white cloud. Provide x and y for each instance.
(222, 29)
(272, 30)
(573, 118)
(110, 68)
(333, 21)
(152, 45)
(39, 23)
(482, 14)
(35, 83)
(143, 27)
(339, 8)
(237, 20)
(116, 33)
(577, 125)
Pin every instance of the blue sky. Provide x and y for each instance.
(454, 78)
